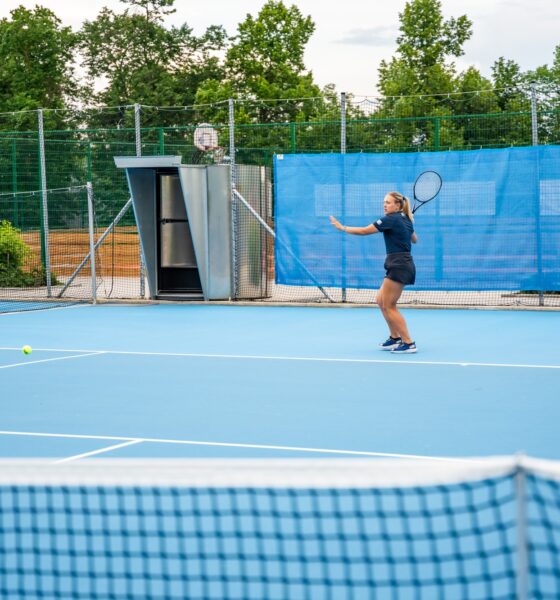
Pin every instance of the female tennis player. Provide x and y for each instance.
(398, 232)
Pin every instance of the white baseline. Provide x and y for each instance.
(406, 361)
(137, 440)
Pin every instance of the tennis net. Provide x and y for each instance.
(278, 529)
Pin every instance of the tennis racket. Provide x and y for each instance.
(426, 188)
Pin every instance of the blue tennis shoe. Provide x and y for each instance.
(390, 343)
(403, 348)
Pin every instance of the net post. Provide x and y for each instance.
(91, 222)
(522, 571)
(234, 212)
(44, 205)
(343, 186)
(138, 141)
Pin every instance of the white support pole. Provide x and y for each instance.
(45, 206)
(138, 139)
(91, 241)
(97, 244)
(234, 213)
(286, 247)
(535, 142)
(534, 119)
(343, 122)
(343, 186)
(137, 132)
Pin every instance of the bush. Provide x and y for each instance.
(11, 276)
(13, 254)
(13, 250)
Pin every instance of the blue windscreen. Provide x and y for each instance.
(495, 224)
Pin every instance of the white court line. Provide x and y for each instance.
(36, 310)
(100, 451)
(234, 445)
(407, 361)
(46, 360)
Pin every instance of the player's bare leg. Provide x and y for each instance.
(387, 299)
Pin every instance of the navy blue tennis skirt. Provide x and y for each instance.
(400, 267)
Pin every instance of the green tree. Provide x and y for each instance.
(512, 91)
(422, 68)
(510, 85)
(547, 75)
(144, 62)
(546, 80)
(474, 94)
(265, 62)
(474, 106)
(425, 46)
(36, 58)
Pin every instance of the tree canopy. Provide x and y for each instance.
(425, 48)
(141, 60)
(134, 56)
(265, 62)
(36, 57)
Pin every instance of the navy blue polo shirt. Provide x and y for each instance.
(397, 231)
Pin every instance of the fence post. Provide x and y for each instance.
(137, 132)
(534, 120)
(91, 222)
(101, 239)
(535, 142)
(88, 161)
(138, 139)
(44, 206)
(234, 213)
(343, 122)
(436, 133)
(343, 187)
(14, 184)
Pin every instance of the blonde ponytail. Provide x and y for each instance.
(404, 204)
(407, 210)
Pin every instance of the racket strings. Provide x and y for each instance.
(427, 186)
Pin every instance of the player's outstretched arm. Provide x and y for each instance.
(367, 230)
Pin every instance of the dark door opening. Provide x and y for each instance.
(177, 267)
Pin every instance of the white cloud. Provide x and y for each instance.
(374, 36)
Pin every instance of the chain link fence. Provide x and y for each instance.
(41, 151)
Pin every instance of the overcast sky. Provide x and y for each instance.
(353, 36)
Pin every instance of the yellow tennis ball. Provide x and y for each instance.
(27, 350)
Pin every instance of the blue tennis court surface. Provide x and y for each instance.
(238, 381)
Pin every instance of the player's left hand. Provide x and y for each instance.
(336, 223)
